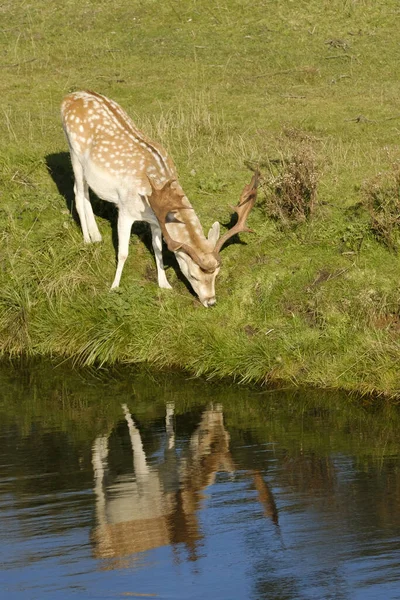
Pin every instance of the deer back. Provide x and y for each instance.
(102, 134)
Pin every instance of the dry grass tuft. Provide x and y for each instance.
(381, 197)
(291, 192)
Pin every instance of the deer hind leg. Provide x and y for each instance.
(156, 239)
(140, 465)
(84, 208)
(94, 232)
(125, 222)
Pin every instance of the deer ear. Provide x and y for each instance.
(213, 234)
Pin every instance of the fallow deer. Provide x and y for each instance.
(122, 166)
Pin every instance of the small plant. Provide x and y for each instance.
(291, 194)
(353, 237)
(212, 185)
(381, 197)
(116, 305)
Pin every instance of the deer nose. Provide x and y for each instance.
(210, 302)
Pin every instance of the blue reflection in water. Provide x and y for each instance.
(179, 506)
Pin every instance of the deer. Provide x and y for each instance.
(110, 155)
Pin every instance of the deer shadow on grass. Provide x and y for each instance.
(60, 170)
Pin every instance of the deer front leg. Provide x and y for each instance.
(169, 425)
(156, 239)
(125, 222)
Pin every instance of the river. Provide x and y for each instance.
(135, 484)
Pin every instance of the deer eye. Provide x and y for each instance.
(208, 272)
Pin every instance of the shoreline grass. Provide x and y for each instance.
(88, 401)
(313, 303)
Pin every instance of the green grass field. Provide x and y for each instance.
(224, 87)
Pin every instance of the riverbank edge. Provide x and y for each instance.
(362, 394)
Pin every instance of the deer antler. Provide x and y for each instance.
(246, 203)
(162, 204)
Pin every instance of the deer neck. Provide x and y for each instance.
(186, 228)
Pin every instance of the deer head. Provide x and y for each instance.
(198, 257)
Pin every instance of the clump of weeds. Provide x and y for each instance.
(291, 187)
(353, 236)
(381, 197)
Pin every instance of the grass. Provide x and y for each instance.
(312, 301)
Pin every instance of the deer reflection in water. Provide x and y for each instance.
(158, 505)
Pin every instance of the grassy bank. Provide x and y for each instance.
(312, 301)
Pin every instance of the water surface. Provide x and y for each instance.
(132, 485)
